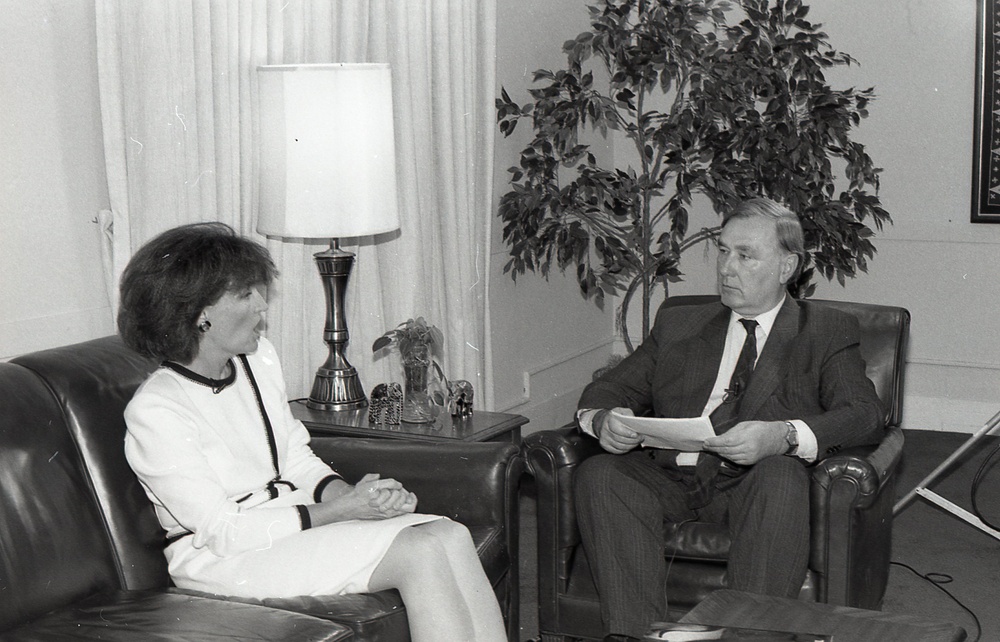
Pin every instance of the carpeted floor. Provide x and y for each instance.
(926, 538)
(932, 540)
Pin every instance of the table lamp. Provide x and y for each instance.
(327, 170)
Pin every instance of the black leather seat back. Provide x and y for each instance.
(94, 381)
(884, 330)
(52, 546)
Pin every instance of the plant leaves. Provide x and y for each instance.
(714, 105)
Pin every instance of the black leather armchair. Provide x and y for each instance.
(852, 494)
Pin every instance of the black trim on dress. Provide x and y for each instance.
(170, 539)
(304, 520)
(217, 385)
(272, 443)
(321, 486)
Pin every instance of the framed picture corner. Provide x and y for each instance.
(986, 123)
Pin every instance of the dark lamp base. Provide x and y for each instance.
(337, 390)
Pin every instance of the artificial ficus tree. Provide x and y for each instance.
(725, 99)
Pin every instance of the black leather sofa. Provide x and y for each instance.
(851, 507)
(81, 550)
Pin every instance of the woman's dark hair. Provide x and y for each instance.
(175, 276)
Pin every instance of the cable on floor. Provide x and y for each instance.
(936, 580)
(983, 467)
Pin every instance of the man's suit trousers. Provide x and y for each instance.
(623, 501)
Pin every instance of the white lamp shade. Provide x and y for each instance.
(327, 156)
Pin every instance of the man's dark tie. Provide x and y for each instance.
(723, 418)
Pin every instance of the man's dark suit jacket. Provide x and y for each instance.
(810, 369)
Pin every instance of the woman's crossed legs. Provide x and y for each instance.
(437, 571)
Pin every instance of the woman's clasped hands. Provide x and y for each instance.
(385, 497)
(371, 498)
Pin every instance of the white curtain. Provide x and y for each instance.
(178, 102)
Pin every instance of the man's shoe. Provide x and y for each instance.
(620, 638)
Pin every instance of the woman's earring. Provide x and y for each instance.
(205, 325)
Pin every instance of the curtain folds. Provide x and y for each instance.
(178, 102)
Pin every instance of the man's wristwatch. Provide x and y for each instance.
(791, 438)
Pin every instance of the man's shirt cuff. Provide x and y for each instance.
(808, 446)
(585, 418)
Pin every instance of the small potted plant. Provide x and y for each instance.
(418, 342)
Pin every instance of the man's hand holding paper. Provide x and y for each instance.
(613, 433)
(748, 442)
(687, 434)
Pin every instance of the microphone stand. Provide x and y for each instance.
(931, 496)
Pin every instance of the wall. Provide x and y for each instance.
(920, 56)
(51, 177)
(547, 340)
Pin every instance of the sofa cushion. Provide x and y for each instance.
(52, 545)
(156, 615)
(371, 616)
(697, 541)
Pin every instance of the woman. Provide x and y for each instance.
(249, 509)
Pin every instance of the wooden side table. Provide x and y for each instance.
(481, 426)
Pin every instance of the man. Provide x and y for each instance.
(784, 385)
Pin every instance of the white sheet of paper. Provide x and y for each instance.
(688, 434)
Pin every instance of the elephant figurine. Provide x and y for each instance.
(394, 404)
(385, 404)
(460, 395)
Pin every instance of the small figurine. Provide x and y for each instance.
(377, 403)
(394, 404)
(385, 404)
(460, 398)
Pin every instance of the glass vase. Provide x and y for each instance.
(418, 404)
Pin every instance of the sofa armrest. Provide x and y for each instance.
(475, 483)
(851, 517)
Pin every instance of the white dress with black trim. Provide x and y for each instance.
(230, 482)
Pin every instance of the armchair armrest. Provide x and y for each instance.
(851, 517)
(552, 457)
(867, 469)
(475, 483)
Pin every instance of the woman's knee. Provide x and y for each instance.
(414, 554)
(431, 543)
(449, 534)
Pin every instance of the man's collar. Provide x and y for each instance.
(765, 319)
